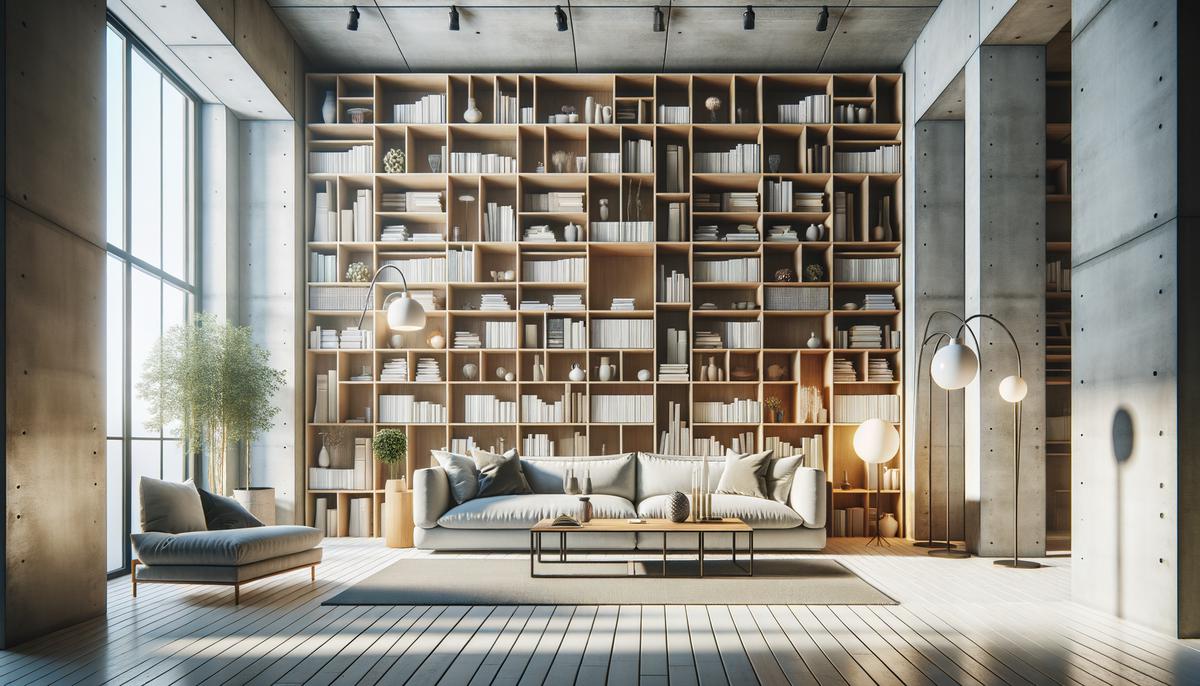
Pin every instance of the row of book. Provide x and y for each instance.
(843, 216)
(712, 446)
(732, 201)
(675, 176)
(499, 223)
(568, 269)
(604, 162)
(322, 268)
(676, 221)
(1058, 276)
(430, 109)
(885, 159)
(799, 298)
(866, 268)
(406, 409)
(866, 338)
(488, 409)
(355, 224)
(352, 338)
(816, 159)
(555, 201)
(674, 114)
(571, 408)
(541, 445)
(359, 517)
(357, 476)
(420, 269)
(730, 269)
(411, 201)
(812, 109)
(638, 157)
(732, 334)
(325, 395)
(737, 411)
(622, 409)
(623, 232)
(811, 447)
(742, 158)
(359, 159)
(623, 333)
(507, 108)
(674, 287)
(853, 521)
(337, 298)
(677, 437)
(482, 163)
(859, 408)
(780, 197)
(566, 333)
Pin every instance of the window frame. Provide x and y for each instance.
(190, 284)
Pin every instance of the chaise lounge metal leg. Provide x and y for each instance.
(313, 575)
(133, 576)
(237, 594)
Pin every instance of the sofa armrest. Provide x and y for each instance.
(431, 496)
(808, 496)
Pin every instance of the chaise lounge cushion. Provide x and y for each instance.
(759, 513)
(224, 548)
(170, 507)
(523, 511)
(221, 512)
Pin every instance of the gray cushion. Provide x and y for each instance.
(462, 473)
(225, 513)
(611, 474)
(231, 547)
(759, 513)
(523, 511)
(665, 474)
(225, 573)
(780, 475)
(169, 507)
(500, 474)
(745, 474)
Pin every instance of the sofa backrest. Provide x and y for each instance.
(665, 474)
(611, 474)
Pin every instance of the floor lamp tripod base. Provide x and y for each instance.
(878, 540)
(1018, 564)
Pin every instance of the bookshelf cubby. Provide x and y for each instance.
(724, 299)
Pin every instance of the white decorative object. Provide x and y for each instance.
(329, 108)
(812, 233)
(396, 340)
(603, 209)
(473, 115)
(888, 526)
(643, 375)
(323, 457)
(470, 371)
(573, 118)
(713, 105)
(863, 114)
(501, 372)
(954, 366)
(607, 370)
(598, 115)
(577, 373)
(437, 340)
(608, 114)
(1013, 389)
(589, 110)
(814, 341)
(710, 371)
(571, 233)
(510, 377)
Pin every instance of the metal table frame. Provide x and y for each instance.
(538, 557)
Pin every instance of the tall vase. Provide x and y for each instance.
(710, 372)
(603, 209)
(323, 457)
(883, 230)
(473, 115)
(329, 108)
(606, 370)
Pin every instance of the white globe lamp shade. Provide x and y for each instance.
(954, 366)
(1013, 388)
(405, 314)
(876, 441)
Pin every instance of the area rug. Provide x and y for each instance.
(506, 581)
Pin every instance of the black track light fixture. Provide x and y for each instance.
(748, 18)
(560, 18)
(660, 21)
(352, 25)
(823, 18)
(453, 18)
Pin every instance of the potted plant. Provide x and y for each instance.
(211, 383)
(775, 407)
(391, 448)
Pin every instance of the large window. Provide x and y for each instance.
(150, 131)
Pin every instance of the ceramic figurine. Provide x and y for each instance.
(577, 373)
(814, 341)
(470, 370)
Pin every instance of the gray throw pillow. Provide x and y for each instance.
(780, 474)
(500, 474)
(744, 474)
(222, 513)
(169, 507)
(462, 474)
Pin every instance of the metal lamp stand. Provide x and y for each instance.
(1016, 562)
(948, 549)
(940, 335)
(878, 539)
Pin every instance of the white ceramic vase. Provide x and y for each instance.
(323, 457)
(607, 370)
(814, 341)
(473, 115)
(888, 526)
(577, 373)
(329, 108)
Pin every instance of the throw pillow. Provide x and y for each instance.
(222, 513)
(500, 474)
(170, 508)
(462, 473)
(780, 475)
(744, 474)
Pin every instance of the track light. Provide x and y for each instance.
(453, 18)
(352, 25)
(660, 23)
(748, 18)
(560, 18)
(823, 18)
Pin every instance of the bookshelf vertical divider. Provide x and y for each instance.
(545, 210)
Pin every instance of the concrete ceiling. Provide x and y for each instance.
(605, 35)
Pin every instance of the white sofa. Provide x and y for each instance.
(623, 486)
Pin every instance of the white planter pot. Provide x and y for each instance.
(259, 501)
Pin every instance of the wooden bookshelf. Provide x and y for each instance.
(779, 364)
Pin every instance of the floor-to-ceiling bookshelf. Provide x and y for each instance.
(765, 291)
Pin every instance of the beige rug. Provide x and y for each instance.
(506, 581)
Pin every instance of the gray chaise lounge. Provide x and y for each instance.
(176, 545)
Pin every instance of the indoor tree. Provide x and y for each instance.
(209, 380)
(391, 448)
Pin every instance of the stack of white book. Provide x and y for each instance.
(879, 301)
(673, 287)
(557, 270)
(879, 370)
(354, 339)
(869, 269)
(812, 109)
(428, 370)
(624, 304)
(322, 211)
(539, 233)
(745, 233)
(733, 201)
(320, 338)
(738, 411)
(808, 201)
(605, 162)
(866, 336)
(494, 302)
(394, 370)
(671, 371)
(554, 201)
(500, 334)
(619, 334)
(859, 408)
(708, 340)
(423, 201)
(882, 160)
(482, 163)
(782, 233)
(843, 370)
(488, 409)
(460, 264)
(674, 114)
(325, 405)
(395, 233)
(360, 518)
(639, 157)
(406, 409)
(623, 409)
(357, 160)
(743, 158)
(677, 438)
(419, 269)
(707, 232)
(534, 306)
(466, 339)
(322, 268)
(675, 173)
(430, 109)
(732, 269)
(567, 302)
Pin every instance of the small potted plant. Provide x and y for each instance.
(775, 407)
(391, 448)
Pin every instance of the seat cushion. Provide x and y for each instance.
(219, 548)
(523, 511)
(759, 513)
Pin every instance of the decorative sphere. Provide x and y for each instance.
(437, 340)
(876, 441)
(470, 370)
(712, 104)
(501, 372)
(1013, 388)
(677, 507)
(643, 375)
(954, 366)
(510, 377)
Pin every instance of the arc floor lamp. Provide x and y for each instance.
(403, 313)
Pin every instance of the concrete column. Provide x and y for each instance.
(1005, 276)
(934, 281)
(218, 192)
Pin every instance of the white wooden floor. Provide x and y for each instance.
(958, 621)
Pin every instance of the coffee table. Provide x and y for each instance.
(580, 534)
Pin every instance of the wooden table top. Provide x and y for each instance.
(651, 525)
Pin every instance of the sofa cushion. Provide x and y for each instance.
(611, 474)
(170, 507)
(221, 512)
(780, 475)
(745, 474)
(500, 474)
(221, 548)
(665, 474)
(462, 473)
(523, 511)
(759, 513)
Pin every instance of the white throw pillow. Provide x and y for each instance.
(780, 474)
(745, 474)
(462, 473)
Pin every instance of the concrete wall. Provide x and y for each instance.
(1134, 521)
(54, 478)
